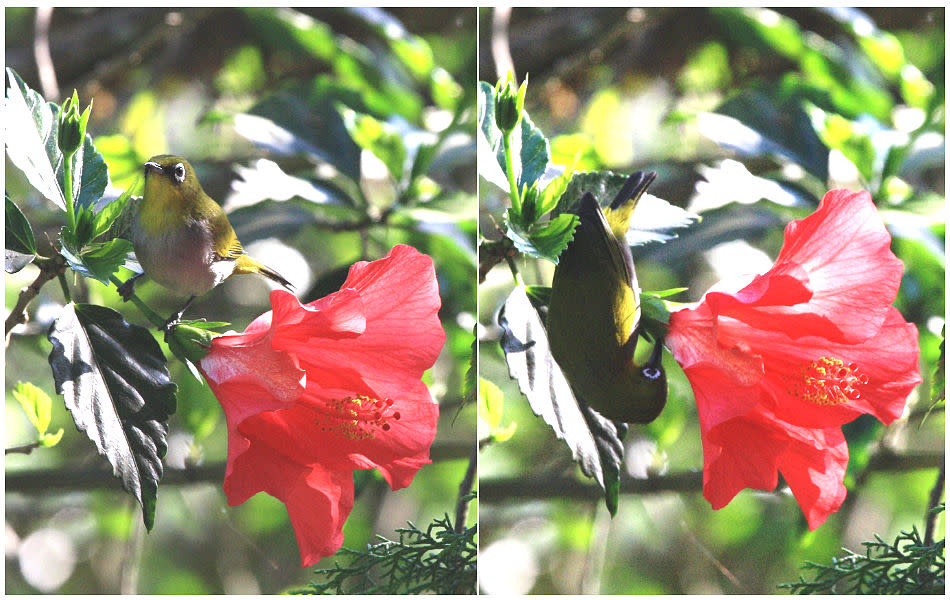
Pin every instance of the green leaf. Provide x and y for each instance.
(32, 133)
(99, 260)
(595, 442)
(491, 403)
(380, 138)
(108, 214)
(296, 121)
(545, 239)
(531, 152)
(758, 125)
(20, 249)
(36, 404)
(113, 379)
(654, 219)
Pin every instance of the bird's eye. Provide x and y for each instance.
(179, 172)
(652, 373)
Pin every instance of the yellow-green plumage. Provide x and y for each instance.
(182, 237)
(594, 314)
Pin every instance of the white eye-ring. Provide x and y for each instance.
(652, 373)
(179, 172)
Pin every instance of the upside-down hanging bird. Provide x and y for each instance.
(593, 321)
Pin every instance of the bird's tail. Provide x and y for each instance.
(245, 264)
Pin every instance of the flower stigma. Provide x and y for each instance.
(358, 417)
(827, 382)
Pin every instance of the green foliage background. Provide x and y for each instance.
(834, 98)
(320, 85)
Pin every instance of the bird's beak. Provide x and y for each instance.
(154, 166)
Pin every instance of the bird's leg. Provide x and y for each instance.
(175, 318)
(128, 288)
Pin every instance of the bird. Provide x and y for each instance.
(182, 238)
(593, 322)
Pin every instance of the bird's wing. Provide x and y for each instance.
(226, 243)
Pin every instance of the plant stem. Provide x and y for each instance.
(150, 314)
(65, 286)
(509, 170)
(50, 268)
(68, 192)
(465, 488)
(514, 270)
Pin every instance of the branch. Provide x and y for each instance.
(50, 268)
(71, 478)
(465, 488)
(686, 481)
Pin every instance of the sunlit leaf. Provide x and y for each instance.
(31, 139)
(530, 150)
(113, 379)
(20, 247)
(491, 403)
(378, 137)
(595, 442)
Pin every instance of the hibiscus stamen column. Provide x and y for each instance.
(357, 417)
(827, 381)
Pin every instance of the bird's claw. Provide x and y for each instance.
(126, 290)
(170, 324)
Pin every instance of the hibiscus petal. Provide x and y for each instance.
(318, 500)
(318, 429)
(814, 465)
(842, 253)
(403, 333)
(740, 453)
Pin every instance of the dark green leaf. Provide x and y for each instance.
(595, 442)
(32, 131)
(758, 125)
(298, 121)
(20, 249)
(113, 378)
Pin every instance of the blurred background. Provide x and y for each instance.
(328, 135)
(748, 116)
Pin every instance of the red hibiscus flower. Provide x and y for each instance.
(312, 392)
(779, 363)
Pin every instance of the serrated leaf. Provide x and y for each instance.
(595, 442)
(113, 379)
(654, 219)
(36, 404)
(31, 139)
(109, 213)
(543, 239)
(99, 260)
(531, 152)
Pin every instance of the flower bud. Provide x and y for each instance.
(508, 103)
(72, 125)
(190, 342)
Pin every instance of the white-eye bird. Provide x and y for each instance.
(181, 236)
(593, 321)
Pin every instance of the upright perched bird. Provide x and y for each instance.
(593, 321)
(182, 238)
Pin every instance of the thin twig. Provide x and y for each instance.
(50, 268)
(73, 478)
(465, 488)
(24, 449)
(931, 517)
(495, 490)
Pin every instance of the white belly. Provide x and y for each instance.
(181, 260)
